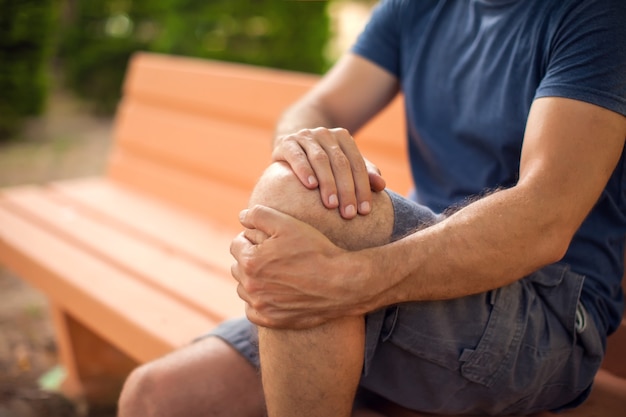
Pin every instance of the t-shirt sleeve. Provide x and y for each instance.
(380, 40)
(587, 55)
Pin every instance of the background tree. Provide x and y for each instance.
(100, 35)
(26, 38)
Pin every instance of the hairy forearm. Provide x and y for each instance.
(510, 233)
(488, 244)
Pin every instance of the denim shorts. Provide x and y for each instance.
(523, 348)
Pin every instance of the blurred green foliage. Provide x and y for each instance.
(26, 40)
(100, 35)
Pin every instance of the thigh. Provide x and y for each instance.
(512, 350)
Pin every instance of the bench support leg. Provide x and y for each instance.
(95, 369)
(71, 385)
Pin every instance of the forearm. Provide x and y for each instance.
(339, 99)
(511, 233)
(488, 244)
(302, 115)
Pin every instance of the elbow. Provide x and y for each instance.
(558, 251)
(554, 246)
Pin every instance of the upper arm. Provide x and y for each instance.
(570, 150)
(352, 92)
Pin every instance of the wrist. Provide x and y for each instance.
(359, 282)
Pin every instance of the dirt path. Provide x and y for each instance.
(67, 142)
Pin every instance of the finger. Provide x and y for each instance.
(236, 272)
(291, 151)
(350, 175)
(360, 176)
(239, 245)
(255, 236)
(315, 143)
(265, 219)
(256, 318)
(242, 293)
(340, 179)
(377, 182)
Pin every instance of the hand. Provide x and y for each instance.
(329, 159)
(289, 273)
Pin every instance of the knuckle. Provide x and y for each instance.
(319, 156)
(254, 211)
(255, 303)
(248, 267)
(307, 131)
(340, 161)
(322, 135)
(317, 130)
(359, 167)
(342, 132)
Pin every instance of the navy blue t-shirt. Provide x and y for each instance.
(470, 70)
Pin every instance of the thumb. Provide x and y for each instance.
(263, 218)
(377, 182)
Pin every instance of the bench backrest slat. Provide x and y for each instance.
(234, 153)
(222, 89)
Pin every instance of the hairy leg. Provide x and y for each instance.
(207, 378)
(315, 372)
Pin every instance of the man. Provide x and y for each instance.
(492, 290)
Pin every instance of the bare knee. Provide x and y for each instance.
(207, 377)
(280, 189)
(139, 393)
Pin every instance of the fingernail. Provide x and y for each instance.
(365, 207)
(332, 200)
(312, 180)
(242, 214)
(350, 211)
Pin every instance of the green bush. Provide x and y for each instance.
(102, 34)
(26, 39)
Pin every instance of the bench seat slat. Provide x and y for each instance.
(194, 237)
(97, 293)
(206, 290)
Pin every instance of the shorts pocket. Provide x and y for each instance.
(439, 332)
(549, 295)
(559, 352)
(558, 289)
(496, 348)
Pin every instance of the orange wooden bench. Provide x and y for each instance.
(135, 263)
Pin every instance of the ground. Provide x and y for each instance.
(67, 142)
